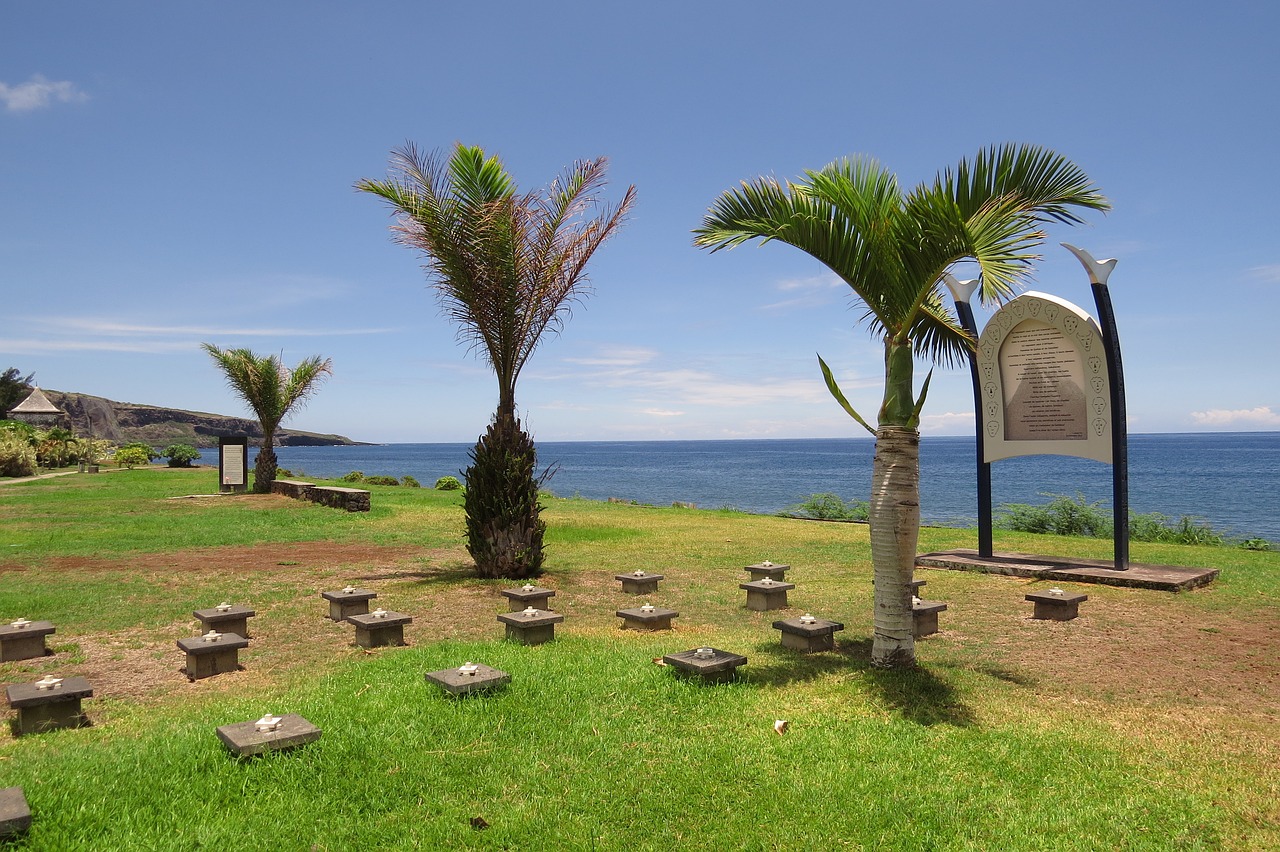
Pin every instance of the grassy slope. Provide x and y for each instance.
(593, 746)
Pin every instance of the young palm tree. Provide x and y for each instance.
(506, 267)
(272, 391)
(893, 249)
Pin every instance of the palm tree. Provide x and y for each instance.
(272, 391)
(506, 267)
(893, 250)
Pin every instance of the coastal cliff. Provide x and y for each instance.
(121, 422)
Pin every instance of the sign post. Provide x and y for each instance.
(1048, 381)
(233, 463)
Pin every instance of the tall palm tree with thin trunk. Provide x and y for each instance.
(507, 268)
(893, 249)
(272, 391)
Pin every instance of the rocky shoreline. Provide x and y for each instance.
(121, 422)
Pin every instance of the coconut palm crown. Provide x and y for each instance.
(272, 391)
(893, 249)
(507, 267)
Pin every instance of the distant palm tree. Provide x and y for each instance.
(893, 250)
(507, 267)
(272, 391)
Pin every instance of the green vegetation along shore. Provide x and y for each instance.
(1147, 723)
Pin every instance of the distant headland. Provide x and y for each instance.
(121, 422)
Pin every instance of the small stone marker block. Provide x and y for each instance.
(766, 594)
(470, 678)
(531, 596)
(653, 618)
(808, 636)
(48, 706)
(1063, 606)
(234, 619)
(377, 631)
(638, 582)
(716, 667)
(246, 740)
(15, 814)
(344, 603)
(924, 617)
(767, 569)
(531, 627)
(208, 657)
(24, 640)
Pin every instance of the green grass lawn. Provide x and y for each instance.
(1148, 723)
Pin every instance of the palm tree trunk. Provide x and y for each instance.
(264, 469)
(895, 530)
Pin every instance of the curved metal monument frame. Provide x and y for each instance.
(1048, 379)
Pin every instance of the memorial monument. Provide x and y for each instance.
(1048, 380)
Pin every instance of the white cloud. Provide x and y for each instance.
(87, 334)
(617, 356)
(36, 347)
(661, 412)
(1268, 274)
(810, 292)
(947, 423)
(114, 329)
(1261, 417)
(38, 93)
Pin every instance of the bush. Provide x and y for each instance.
(829, 507)
(152, 455)
(1255, 544)
(354, 476)
(131, 456)
(409, 482)
(181, 455)
(1061, 516)
(381, 480)
(17, 456)
(1067, 516)
(448, 483)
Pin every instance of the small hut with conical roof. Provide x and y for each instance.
(36, 409)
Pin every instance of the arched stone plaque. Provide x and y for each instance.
(1045, 385)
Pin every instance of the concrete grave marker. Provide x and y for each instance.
(226, 618)
(270, 733)
(24, 640)
(15, 814)
(380, 628)
(766, 594)
(531, 626)
(528, 595)
(49, 704)
(213, 653)
(469, 678)
(710, 664)
(639, 582)
(347, 602)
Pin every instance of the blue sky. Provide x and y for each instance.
(176, 173)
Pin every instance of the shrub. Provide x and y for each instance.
(381, 480)
(180, 455)
(1067, 516)
(17, 456)
(131, 456)
(1255, 544)
(448, 483)
(830, 507)
(152, 455)
(354, 476)
(1061, 516)
(409, 482)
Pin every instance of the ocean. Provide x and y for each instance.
(1231, 480)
